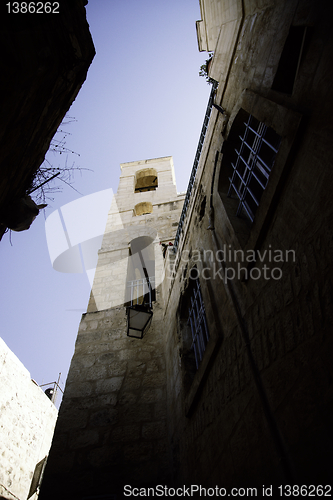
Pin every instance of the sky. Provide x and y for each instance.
(143, 98)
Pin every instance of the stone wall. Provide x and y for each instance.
(112, 426)
(123, 225)
(258, 409)
(27, 420)
(112, 422)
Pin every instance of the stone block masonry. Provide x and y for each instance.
(124, 225)
(27, 420)
(261, 401)
(112, 429)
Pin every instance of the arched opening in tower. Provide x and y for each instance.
(141, 271)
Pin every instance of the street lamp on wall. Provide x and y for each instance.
(138, 320)
(139, 311)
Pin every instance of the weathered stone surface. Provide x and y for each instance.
(27, 421)
(109, 385)
(100, 401)
(132, 383)
(83, 438)
(95, 372)
(137, 413)
(151, 395)
(128, 398)
(104, 417)
(107, 358)
(117, 368)
(138, 452)
(153, 430)
(136, 368)
(83, 362)
(78, 390)
(73, 418)
(99, 457)
(154, 379)
(126, 433)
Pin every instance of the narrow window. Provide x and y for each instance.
(141, 272)
(197, 322)
(193, 330)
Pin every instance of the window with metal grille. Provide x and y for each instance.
(254, 154)
(198, 323)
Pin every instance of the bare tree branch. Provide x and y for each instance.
(48, 178)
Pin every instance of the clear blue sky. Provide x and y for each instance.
(142, 99)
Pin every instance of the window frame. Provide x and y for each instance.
(192, 388)
(251, 172)
(286, 123)
(198, 322)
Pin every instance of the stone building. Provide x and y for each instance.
(113, 416)
(27, 421)
(259, 232)
(45, 59)
(232, 384)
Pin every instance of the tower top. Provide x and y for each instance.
(143, 163)
(160, 170)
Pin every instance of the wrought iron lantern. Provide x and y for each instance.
(138, 320)
(139, 312)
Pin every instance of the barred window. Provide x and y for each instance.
(255, 150)
(198, 323)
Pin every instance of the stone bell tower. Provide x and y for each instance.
(111, 429)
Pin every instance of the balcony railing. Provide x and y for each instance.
(195, 164)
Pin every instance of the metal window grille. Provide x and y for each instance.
(141, 291)
(198, 323)
(256, 150)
